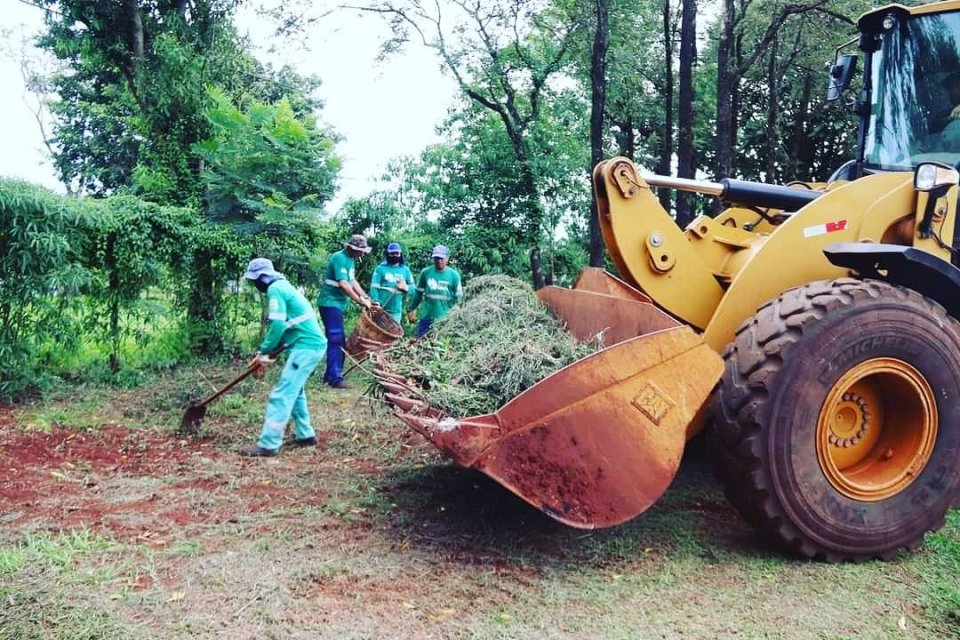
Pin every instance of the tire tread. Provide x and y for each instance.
(753, 361)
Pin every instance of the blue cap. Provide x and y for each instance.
(393, 247)
(440, 251)
(260, 267)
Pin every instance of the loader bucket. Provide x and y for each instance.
(594, 444)
(600, 280)
(615, 318)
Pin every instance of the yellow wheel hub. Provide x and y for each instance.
(876, 429)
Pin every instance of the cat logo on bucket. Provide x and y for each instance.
(653, 403)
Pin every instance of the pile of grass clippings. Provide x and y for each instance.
(498, 342)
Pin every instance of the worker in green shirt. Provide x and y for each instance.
(439, 289)
(339, 287)
(391, 281)
(291, 325)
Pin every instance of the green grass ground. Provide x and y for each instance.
(111, 526)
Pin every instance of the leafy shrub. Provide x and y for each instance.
(41, 244)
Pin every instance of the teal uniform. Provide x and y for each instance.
(340, 267)
(332, 303)
(439, 291)
(292, 323)
(383, 287)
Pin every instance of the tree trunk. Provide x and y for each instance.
(798, 131)
(686, 163)
(114, 323)
(773, 113)
(725, 80)
(537, 215)
(114, 336)
(598, 85)
(666, 148)
(539, 282)
(203, 306)
(136, 31)
(626, 138)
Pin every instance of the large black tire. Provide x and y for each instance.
(786, 394)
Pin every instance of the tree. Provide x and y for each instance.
(641, 91)
(502, 54)
(598, 102)
(738, 50)
(130, 107)
(666, 148)
(686, 162)
(269, 173)
(466, 192)
(36, 69)
(779, 108)
(41, 244)
(133, 245)
(135, 104)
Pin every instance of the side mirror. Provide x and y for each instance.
(934, 177)
(841, 75)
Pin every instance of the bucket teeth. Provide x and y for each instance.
(462, 439)
(390, 377)
(415, 422)
(412, 406)
(398, 389)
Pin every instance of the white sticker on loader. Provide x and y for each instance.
(821, 229)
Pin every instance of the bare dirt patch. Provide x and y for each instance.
(132, 485)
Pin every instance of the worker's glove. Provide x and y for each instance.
(366, 302)
(402, 286)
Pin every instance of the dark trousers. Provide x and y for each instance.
(424, 326)
(332, 318)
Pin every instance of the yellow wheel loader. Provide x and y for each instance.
(812, 327)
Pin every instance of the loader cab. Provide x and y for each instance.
(910, 101)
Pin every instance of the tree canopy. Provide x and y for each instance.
(203, 156)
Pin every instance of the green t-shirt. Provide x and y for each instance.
(439, 290)
(384, 284)
(340, 267)
(291, 320)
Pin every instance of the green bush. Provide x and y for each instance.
(41, 270)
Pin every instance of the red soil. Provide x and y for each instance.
(66, 479)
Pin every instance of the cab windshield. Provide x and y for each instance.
(915, 97)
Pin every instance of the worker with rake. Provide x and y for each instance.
(291, 325)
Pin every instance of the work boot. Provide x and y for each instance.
(339, 385)
(302, 442)
(256, 451)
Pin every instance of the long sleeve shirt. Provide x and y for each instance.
(383, 286)
(291, 321)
